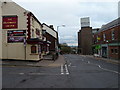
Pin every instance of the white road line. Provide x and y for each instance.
(108, 70)
(69, 64)
(21, 73)
(62, 69)
(104, 68)
(82, 59)
(88, 62)
(66, 69)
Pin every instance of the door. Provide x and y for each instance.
(39, 51)
(104, 52)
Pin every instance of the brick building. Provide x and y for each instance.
(51, 36)
(107, 40)
(85, 37)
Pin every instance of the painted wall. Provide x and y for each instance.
(17, 50)
(34, 26)
(13, 50)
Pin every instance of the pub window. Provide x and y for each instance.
(32, 33)
(33, 49)
(116, 51)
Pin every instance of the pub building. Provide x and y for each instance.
(22, 37)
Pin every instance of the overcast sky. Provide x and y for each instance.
(69, 12)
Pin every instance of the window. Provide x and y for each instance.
(104, 37)
(116, 51)
(112, 51)
(32, 33)
(97, 38)
(37, 33)
(33, 49)
(33, 21)
(113, 35)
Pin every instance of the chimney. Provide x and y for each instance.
(51, 26)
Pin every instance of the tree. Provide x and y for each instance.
(65, 49)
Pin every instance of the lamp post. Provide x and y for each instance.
(58, 49)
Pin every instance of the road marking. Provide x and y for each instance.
(103, 68)
(62, 69)
(66, 68)
(108, 70)
(21, 73)
(88, 62)
(69, 64)
(82, 59)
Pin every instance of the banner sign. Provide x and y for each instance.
(10, 22)
(16, 36)
(17, 33)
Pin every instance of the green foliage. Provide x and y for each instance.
(65, 49)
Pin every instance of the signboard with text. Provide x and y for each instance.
(10, 22)
(16, 36)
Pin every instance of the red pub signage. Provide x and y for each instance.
(10, 22)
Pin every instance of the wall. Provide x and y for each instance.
(113, 55)
(0, 29)
(79, 42)
(0, 43)
(52, 40)
(30, 56)
(86, 40)
(17, 49)
(35, 25)
(50, 31)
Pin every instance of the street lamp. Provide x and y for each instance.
(58, 49)
(58, 29)
(60, 26)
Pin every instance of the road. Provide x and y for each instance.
(78, 72)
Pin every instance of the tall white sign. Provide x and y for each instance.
(85, 22)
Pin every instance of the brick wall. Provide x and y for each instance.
(85, 40)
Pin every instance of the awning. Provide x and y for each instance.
(37, 41)
(34, 41)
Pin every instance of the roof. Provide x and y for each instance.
(35, 17)
(114, 23)
(49, 27)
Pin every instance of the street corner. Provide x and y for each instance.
(58, 62)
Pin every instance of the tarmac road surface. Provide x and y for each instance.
(78, 72)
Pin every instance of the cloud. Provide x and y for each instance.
(59, 12)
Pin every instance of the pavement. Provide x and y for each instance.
(104, 59)
(47, 62)
(42, 63)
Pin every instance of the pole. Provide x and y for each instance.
(58, 40)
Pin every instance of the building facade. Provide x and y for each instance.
(85, 37)
(107, 40)
(51, 36)
(22, 34)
